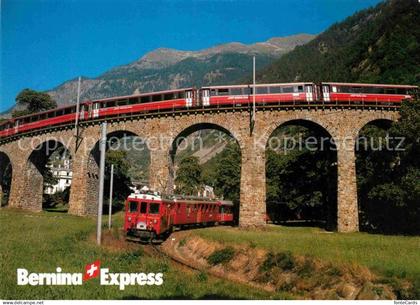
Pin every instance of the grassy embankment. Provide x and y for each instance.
(387, 255)
(40, 242)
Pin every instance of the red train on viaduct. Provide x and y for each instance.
(150, 216)
(352, 94)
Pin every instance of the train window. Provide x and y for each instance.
(334, 89)
(235, 91)
(68, 110)
(287, 89)
(223, 92)
(262, 90)
(156, 98)
(213, 92)
(132, 206)
(143, 208)
(154, 208)
(133, 100)
(247, 91)
(275, 90)
(341, 89)
(168, 96)
(402, 91)
(122, 102)
(300, 88)
(145, 99)
(390, 91)
(356, 90)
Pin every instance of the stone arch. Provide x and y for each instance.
(384, 123)
(34, 170)
(326, 212)
(200, 126)
(6, 172)
(179, 138)
(367, 149)
(93, 162)
(305, 121)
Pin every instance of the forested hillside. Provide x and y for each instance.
(377, 45)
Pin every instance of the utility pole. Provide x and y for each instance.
(111, 186)
(253, 95)
(76, 123)
(102, 149)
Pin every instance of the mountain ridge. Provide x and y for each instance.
(166, 68)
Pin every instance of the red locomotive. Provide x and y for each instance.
(149, 216)
(213, 96)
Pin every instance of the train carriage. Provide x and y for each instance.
(214, 96)
(366, 93)
(264, 94)
(149, 216)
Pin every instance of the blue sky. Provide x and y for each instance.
(46, 42)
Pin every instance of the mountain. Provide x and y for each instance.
(165, 68)
(377, 45)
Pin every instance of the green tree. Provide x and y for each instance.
(122, 181)
(33, 101)
(389, 180)
(188, 176)
(227, 177)
(301, 180)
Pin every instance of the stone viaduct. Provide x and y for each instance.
(343, 126)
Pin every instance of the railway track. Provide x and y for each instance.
(155, 251)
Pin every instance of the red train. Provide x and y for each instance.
(149, 216)
(214, 96)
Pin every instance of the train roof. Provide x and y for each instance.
(258, 85)
(226, 202)
(145, 196)
(192, 201)
(114, 98)
(42, 112)
(370, 85)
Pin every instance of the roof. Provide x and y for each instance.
(144, 196)
(226, 202)
(370, 85)
(257, 85)
(139, 95)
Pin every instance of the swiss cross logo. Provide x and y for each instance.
(92, 270)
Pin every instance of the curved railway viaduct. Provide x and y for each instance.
(27, 154)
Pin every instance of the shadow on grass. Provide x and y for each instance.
(210, 296)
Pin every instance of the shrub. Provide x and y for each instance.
(284, 261)
(222, 256)
(202, 277)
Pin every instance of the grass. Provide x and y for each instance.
(40, 242)
(387, 255)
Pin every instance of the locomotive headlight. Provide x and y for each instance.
(154, 220)
(129, 218)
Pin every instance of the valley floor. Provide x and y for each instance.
(41, 242)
